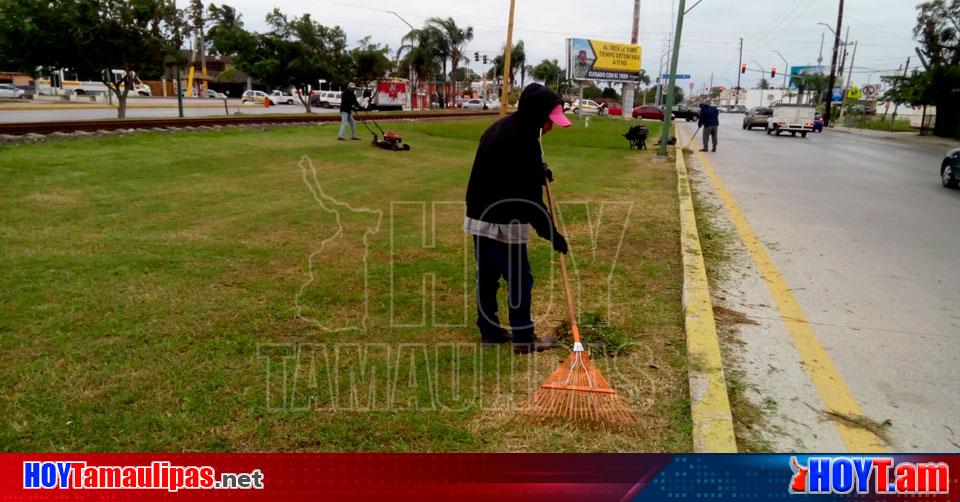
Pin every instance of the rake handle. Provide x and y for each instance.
(563, 272)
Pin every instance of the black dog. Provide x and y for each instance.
(637, 136)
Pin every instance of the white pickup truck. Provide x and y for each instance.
(792, 119)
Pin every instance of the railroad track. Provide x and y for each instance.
(23, 128)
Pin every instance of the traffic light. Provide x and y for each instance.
(743, 67)
(773, 72)
(476, 56)
(484, 59)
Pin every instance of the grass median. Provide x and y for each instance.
(246, 290)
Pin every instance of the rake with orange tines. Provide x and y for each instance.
(576, 390)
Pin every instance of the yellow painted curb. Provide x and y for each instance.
(709, 403)
(831, 387)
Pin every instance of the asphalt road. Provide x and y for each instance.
(163, 109)
(869, 243)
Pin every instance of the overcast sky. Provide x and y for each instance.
(710, 39)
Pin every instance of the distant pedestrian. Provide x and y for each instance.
(348, 103)
(710, 122)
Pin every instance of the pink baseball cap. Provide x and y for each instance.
(558, 118)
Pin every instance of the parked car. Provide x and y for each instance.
(588, 105)
(950, 169)
(739, 109)
(284, 99)
(686, 113)
(255, 97)
(479, 104)
(818, 122)
(215, 95)
(649, 112)
(757, 117)
(10, 91)
(325, 99)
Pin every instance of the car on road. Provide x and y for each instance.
(793, 119)
(255, 97)
(10, 91)
(757, 117)
(649, 112)
(686, 113)
(589, 106)
(215, 95)
(950, 169)
(285, 99)
(739, 109)
(479, 104)
(325, 99)
(817, 122)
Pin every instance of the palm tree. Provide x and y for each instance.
(456, 39)
(423, 48)
(517, 60)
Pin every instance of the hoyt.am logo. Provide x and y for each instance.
(875, 475)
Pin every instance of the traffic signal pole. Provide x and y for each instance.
(672, 85)
(736, 99)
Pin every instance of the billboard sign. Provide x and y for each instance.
(797, 72)
(837, 95)
(589, 59)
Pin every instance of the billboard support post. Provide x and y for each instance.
(580, 101)
(672, 86)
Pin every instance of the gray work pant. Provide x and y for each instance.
(710, 132)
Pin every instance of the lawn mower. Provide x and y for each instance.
(390, 140)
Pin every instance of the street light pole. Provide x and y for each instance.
(833, 67)
(671, 90)
(411, 76)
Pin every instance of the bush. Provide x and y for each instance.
(876, 123)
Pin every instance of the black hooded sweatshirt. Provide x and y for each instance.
(506, 183)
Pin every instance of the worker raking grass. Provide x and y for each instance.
(505, 194)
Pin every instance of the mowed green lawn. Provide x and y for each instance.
(246, 290)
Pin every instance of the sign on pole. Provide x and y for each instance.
(589, 59)
(680, 76)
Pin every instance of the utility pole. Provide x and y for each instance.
(505, 92)
(628, 88)
(843, 60)
(893, 117)
(736, 99)
(833, 68)
(671, 89)
(846, 88)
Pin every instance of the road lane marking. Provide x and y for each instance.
(709, 402)
(830, 385)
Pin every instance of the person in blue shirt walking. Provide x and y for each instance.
(710, 122)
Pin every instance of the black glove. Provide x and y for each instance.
(547, 174)
(559, 243)
(554, 236)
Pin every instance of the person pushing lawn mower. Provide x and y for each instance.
(504, 196)
(348, 103)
